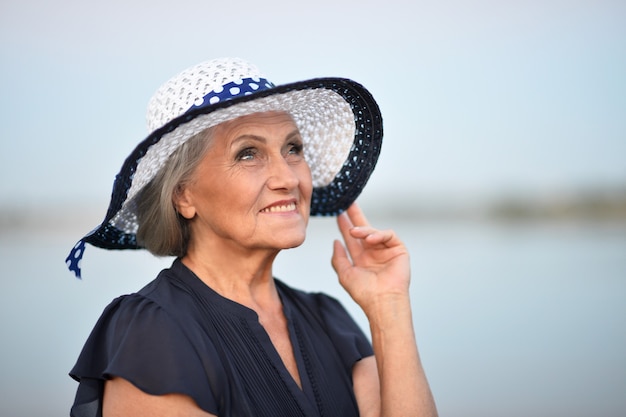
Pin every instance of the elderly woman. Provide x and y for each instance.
(227, 179)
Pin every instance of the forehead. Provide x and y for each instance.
(256, 122)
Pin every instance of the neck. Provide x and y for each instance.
(245, 278)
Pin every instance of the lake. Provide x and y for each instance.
(512, 319)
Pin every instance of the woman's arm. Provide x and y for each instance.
(123, 399)
(375, 270)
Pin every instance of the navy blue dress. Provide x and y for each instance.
(177, 335)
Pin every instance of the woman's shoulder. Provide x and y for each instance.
(141, 338)
(166, 293)
(318, 300)
(146, 339)
(145, 317)
(324, 308)
(324, 314)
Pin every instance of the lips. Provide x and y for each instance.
(282, 207)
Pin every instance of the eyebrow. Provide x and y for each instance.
(291, 135)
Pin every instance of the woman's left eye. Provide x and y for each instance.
(296, 149)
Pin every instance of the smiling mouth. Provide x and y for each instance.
(280, 208)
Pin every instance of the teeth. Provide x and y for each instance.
(278, 209)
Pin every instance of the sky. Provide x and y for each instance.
(478, 97)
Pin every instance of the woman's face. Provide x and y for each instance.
(253, 187)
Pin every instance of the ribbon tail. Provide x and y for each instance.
(76, 255)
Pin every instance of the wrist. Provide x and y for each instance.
(389, 310)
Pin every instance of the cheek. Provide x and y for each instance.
(306, 181)
(241, 194)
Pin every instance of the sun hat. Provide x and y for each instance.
(338, 119)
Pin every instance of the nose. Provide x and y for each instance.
(282, 174)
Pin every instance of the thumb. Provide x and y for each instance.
(340, 259)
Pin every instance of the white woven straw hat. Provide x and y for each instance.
(338, 119)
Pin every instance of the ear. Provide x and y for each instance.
(183, 202)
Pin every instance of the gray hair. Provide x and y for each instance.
(161, 229)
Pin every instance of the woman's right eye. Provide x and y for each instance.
(246, 154)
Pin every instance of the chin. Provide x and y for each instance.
(291, 241)
(295, 245)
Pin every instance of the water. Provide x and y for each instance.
(511, 320)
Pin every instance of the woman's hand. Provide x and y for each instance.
(375, 267)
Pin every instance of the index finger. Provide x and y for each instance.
(345, 226)
(356, 215)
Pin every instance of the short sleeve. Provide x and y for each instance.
(139, 341)
(344, 332)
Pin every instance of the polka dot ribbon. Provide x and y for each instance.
(73, 259)
(243, 87)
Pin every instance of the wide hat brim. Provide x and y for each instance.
(328, 199)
